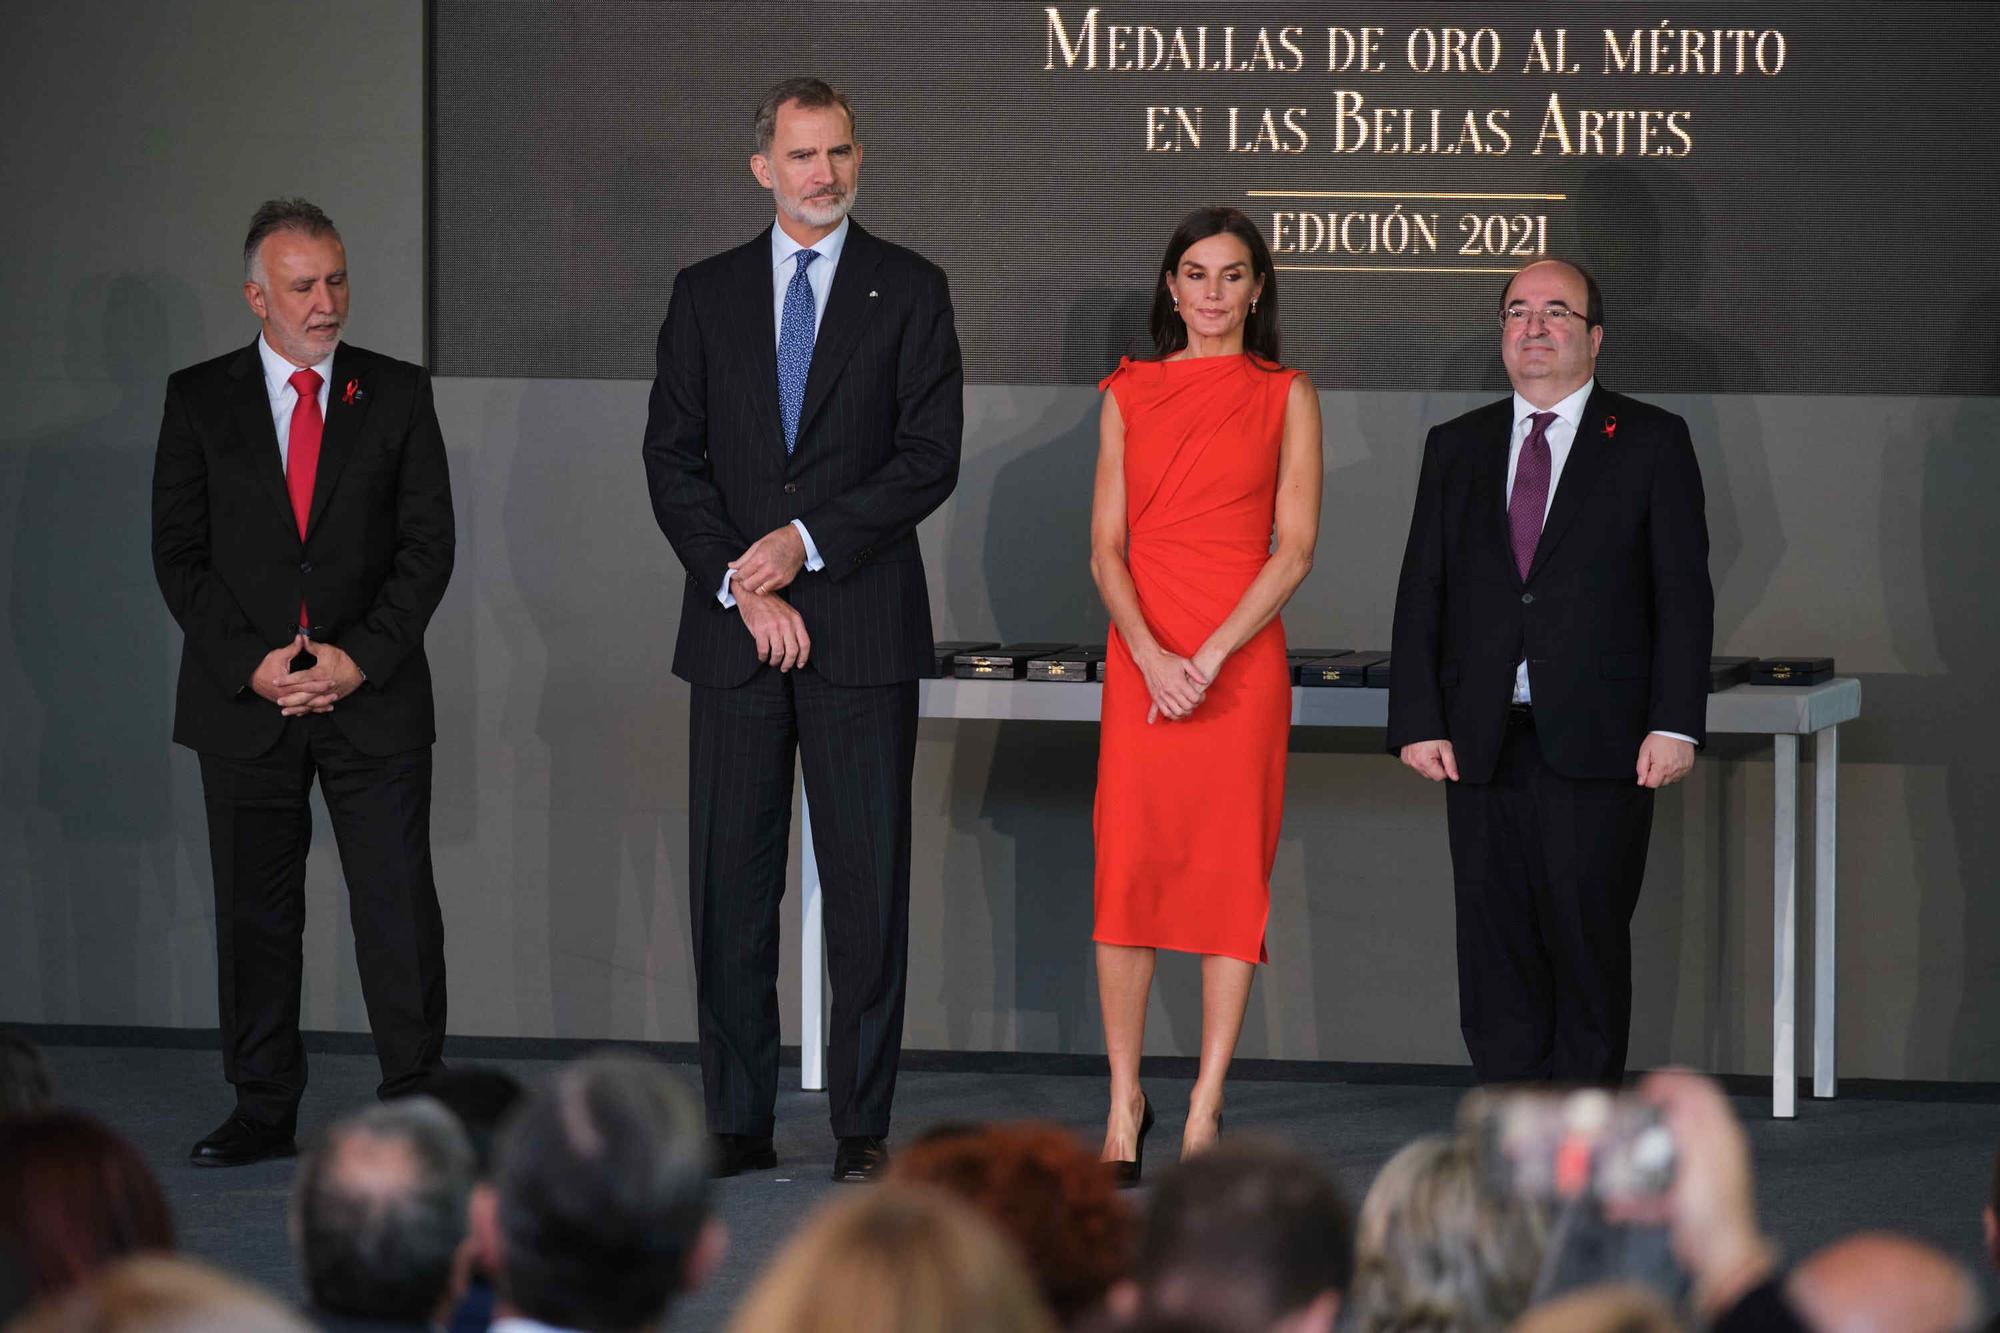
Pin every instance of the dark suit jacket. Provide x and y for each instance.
(1614, 619)
(877, 450)
(374, 561)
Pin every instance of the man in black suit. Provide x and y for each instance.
(302, 536)
(1551, 662)
(805, 417)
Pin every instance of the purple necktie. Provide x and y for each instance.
(1531, 492)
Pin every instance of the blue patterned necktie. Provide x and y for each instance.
(795, 347)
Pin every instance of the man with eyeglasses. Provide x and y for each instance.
(1550, 663)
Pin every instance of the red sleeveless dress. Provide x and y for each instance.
(1187, 812)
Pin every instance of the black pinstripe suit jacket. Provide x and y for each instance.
(877, 450)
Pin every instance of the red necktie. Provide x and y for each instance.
(302, 452)
(1531, 492)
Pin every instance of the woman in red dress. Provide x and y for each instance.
(1204, 450)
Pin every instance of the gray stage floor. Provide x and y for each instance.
(1917, 1166)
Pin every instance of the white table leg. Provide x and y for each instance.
(812, 957)
(1826, 790)
(1784, 926)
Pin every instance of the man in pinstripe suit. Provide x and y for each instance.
(805, 417)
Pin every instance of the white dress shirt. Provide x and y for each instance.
(819, 277)
(1561, 434)
(278, 374)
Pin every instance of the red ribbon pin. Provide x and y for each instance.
(1610, 423)
(353, 391)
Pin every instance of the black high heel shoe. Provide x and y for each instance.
(1125, 1175)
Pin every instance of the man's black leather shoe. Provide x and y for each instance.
(737, 1153)
(859, 1157)
(239, 1141)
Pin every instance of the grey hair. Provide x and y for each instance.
(1437, 1252)
(274, 215)
(604, 1190)
(812, 94)
(383, 1249)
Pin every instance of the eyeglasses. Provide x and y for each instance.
(1551, 315)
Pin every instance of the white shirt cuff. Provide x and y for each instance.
(722, 594)
(1676, 736)
(813, 563)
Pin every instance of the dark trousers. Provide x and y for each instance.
(1546, 872)
(858, 747)
(259, 829)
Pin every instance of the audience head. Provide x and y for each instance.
(25, 1085)
(379, 1211)
(160, 1294)
(600, 1217)
(901, 1256)
(481, 1099)
(1245, 1236)
(1436, 1250)
(73, 1197)
(1046, 1192)
(1879, 1283)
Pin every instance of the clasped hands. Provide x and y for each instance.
(1177, 684)
(332, 677)
(1663, 760)
(771, 563)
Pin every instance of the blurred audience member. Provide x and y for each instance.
(600, 1214)
(1248, 1235)
(905, 1257)
(73, 1197)
(25, 1085)
(1712, 1211)
(160, 1294)
(481, 1098)
(1435, 1251)
(379, 1213)
(1879, 1283)
(1614, 1308)
(1993, 1233)
(1047, 1193)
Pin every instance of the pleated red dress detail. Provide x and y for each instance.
(1188, 812)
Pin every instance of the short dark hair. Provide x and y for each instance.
(481, 1098)
(812, 94)
(380, 1248)
(604, 1189)
(1593, 315)
(25, 1084)
(273, 215)
(1260, 329)
(1245, 1234)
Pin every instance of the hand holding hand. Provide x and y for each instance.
(1174, 682)
(771, 563)
(1434, 759)
(332, 677)
(1663, 760)
(780, 633)
(275, 668)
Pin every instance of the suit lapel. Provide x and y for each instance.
(1489, 498)
(345, 413)
(1589, 452)
(250, 404)
(848, 308)
(760, 344)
